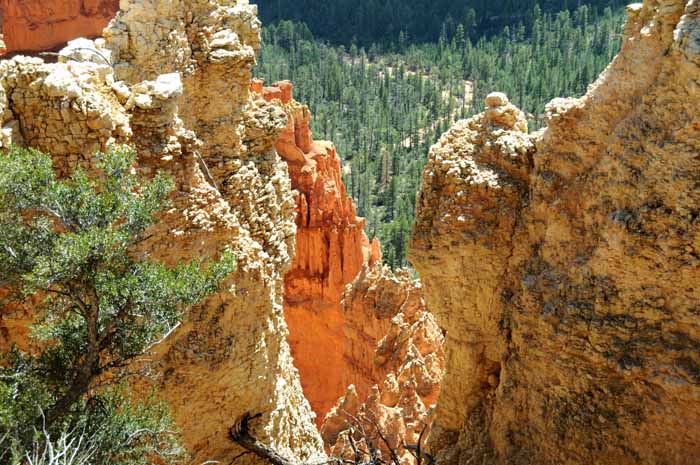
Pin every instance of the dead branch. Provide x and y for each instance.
(242, 454)
(392, 452)
(374, 453)
(240, 434)
(358, 457)
(416, 451)
(419, 456)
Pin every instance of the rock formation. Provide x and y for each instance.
(332, 248)
(357, 330)
(36, 25)
(564, 264)
(408, 362)
(176, 87)
(178, 90)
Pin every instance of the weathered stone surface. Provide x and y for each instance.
(35, 25)
(407, 364)
(67, 109)
(564, 265)
(163, 86)
(232, 191)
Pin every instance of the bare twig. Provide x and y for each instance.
(392, 452)
(242, 454)
(358, 457)
(205, 170)
(417, 451)
(170, 331)
(374, 453)
(429, 459)
(240, 434)
(145, 431)
(419, 457)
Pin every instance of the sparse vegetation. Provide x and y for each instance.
(365, 444)
(69, 252)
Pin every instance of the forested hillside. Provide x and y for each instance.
(384, 105)
(373, 21)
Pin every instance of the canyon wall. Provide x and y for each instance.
(177, 89)
(37, 25)
(332, 348)
(366, 347)
(564, 264)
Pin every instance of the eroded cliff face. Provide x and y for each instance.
(177, 88)
(366, 347)
(36, 25)
(332, 248)
(169, 61)
(564, 264)
(408, 362)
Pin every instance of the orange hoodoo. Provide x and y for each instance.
(332, 248)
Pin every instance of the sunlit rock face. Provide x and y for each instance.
(37, 25)
(408, 362)
(564, 265)
(172, 79)
(361, 336)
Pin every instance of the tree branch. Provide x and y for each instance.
(392, 452)
(240, 434)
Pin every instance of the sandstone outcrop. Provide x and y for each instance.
(177, 88)
(37, 25)
(332, 248)
(564, 265)
(408, 362)
(365, 345)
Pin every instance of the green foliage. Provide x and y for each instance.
(70, 448)
(384, 21)
(384, 107)
(69, 248)
(109, 428)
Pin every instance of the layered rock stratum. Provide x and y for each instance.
(365, 345)
(37, 25)
(172, 79)
(564, 264)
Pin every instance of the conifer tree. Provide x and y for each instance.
(69, 251)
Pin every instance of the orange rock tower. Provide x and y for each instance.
(332, 248)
